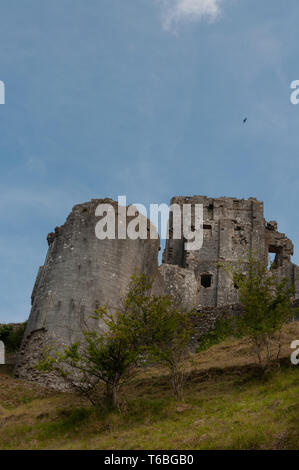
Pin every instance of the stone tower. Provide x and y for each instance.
(232, 228)
(80, 273)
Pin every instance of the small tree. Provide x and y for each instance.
(266, 303)
(158, 327)
(138, 320)
(105, 358)
(172, 343)
(108, 358)
(146, 328)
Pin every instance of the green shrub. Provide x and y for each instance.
(12, 336)
(221, 330)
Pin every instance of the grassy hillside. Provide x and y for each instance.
(228, 405)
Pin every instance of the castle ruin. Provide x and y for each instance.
(232, 229)
(81, 273)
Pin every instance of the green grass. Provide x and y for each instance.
(225, 407)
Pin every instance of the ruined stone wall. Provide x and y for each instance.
(232, 229)
(80, 273)
(283, 249)
(178, 282)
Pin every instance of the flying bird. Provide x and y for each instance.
(245, 120)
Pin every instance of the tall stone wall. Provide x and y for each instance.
(232, 229)
(80, 273)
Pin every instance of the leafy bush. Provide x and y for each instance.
(146, 328)
(266, 302)
(12, 336)
(220, 331)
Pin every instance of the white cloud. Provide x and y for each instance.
(175, 11)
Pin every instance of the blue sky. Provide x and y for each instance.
(144, 98)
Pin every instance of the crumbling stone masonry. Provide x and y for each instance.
(81, 272)
(232, 228)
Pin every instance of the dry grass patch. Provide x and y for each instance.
(228, 405)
